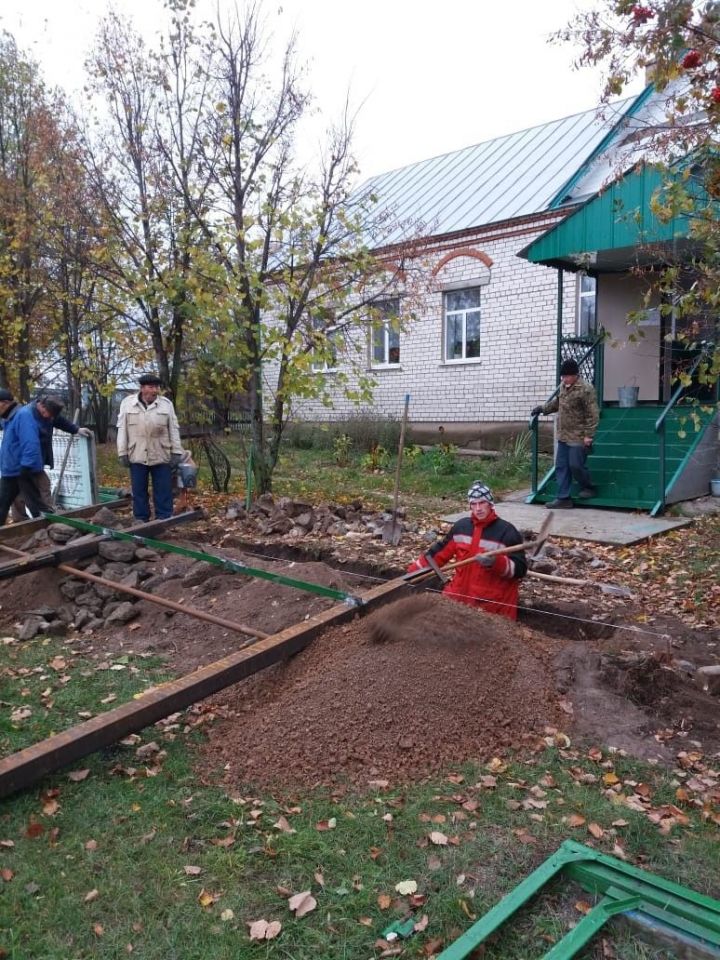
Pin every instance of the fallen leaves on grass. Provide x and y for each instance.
(283, 825)
(192, 871)
(439, 839)
(262, 930)
(406, 887)
(329, 824)
(77, 776)
(302, 903)
(91, 895)
(206, 898)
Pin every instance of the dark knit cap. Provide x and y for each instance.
(6, 395)
(569, 368)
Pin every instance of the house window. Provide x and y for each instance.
(385, 344)
(462, 324)
(587, 306)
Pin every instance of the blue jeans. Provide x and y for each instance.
(570, 465)
(161, 474)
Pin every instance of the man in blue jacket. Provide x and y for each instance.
(50, 410)
(21, 460)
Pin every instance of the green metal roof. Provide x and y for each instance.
(609, 231)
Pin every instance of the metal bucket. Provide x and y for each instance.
(628, 396)
(715, 488)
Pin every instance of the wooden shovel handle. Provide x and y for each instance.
(449, 567)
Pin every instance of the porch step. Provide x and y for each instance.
(625, 462)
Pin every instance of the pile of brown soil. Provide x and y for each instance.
(452, 685)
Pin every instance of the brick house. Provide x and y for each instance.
(527, 259)
(478, 345)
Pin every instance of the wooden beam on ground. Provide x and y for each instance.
(87, 546)
(22, 769)
(13, 531)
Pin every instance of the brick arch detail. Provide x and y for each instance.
(463, 252)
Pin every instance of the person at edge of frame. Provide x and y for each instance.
(148, 444)
(50, 409)
(21, 458)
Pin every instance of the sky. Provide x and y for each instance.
(426, 78)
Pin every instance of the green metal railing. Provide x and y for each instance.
(703, 356)
(590, 360)
(231, 566)
(688, 919)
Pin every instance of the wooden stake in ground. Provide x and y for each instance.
(391, 531)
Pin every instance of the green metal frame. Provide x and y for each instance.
(682, 914)
(664, 486)
(232, 566)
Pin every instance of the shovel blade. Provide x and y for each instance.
(391, 532)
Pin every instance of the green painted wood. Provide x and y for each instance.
(617, 218)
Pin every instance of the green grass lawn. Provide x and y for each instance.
(142, 858)
(428, 479)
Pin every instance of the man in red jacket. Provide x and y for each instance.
(488, 582)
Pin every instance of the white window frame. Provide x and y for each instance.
(454, 313)
(390, 310)
(582, 296)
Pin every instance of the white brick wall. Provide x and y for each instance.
(516, 368)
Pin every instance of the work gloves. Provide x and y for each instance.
(85, 432)
(484, 560)
(536, 411)
(124, 461)
(175, 459)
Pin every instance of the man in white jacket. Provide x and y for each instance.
(148, 442)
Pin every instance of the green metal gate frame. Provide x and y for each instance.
(687, 917)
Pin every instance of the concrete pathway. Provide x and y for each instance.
(616, 527)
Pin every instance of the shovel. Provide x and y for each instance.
(532, 545)
(392, 530)
(56, 491)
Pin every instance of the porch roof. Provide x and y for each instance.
(615, 229)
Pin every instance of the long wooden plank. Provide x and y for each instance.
(24, 768)
(15, 530)
(87, 546)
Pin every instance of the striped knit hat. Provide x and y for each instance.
(478, 491)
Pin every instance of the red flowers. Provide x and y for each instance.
(642, 14)
(691, 59)
(715, 94)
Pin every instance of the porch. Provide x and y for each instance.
(657, 441)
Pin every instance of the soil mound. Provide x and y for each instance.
(455, 684)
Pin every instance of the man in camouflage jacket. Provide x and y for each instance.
(578, 416)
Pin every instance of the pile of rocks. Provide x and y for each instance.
(88, 606)
(291, 519)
